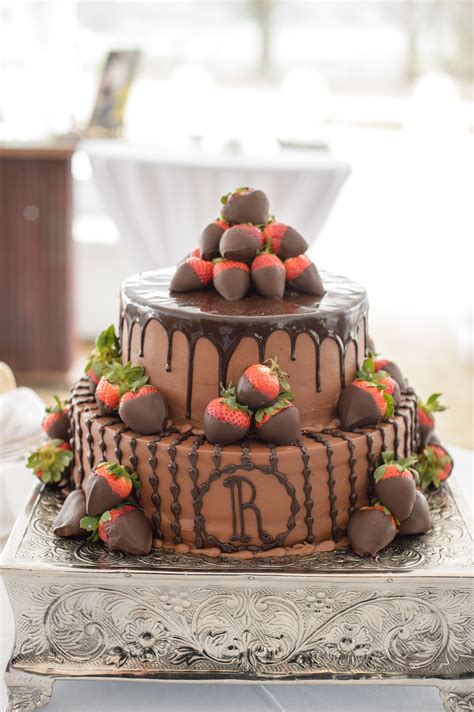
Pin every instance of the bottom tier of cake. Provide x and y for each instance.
(245, 499)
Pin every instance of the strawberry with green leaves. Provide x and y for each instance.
(191, 275)
(391, 368)
(231, 279)
(106, 351)
(108, 485)
(369, 372)
(225, 420)
(51, 462)
(426, 417)
(279, 423)
(434, 466)
(371, 529)
(56, 421)
(269, 275)
(284, 240)
(364, 403)
(261, 383)
(245, 205)
(395, 484)
(302, 276)
(117, 380)
(124, 528)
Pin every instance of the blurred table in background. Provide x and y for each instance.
(36, 326)
(160, 199)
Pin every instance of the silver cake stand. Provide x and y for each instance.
(80, 612)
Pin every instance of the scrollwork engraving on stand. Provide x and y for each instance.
(457, 700)
(27, 692)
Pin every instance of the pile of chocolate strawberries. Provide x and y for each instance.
(246, 247)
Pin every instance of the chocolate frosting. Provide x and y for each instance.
(146, 414)
(283, 428)
(398, 494)
(309, 282)
(99, 496)
(269, 282)
(248, 208)
(221, 433)
(336, 315)
(67, 521)
(131, 533)
(239, 244)
(60, 428)
(370, 531)
(419, 521)
(210, 239)
(357, 408)
(232, 284)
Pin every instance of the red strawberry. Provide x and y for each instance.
(434, 466)
(302, 275)
(106, 351)
(231, 279)
(210, 238)
(124, 528)
(371, 529)
(145, 410)
(268, 275)
(260, 384)
(419, 521)
(117, 380)
(395, 484)
(426, 418)
(364, 403)
(195, 253)
(241, 242)
(279, 423)
(108, 485)
(284, 240)
(225, 420)
(56, 421)
(383, 364)
(51, 461)
(368, 372)
(192, 274)
(391, 387)
(245, 205)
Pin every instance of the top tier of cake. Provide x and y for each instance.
(189, 343)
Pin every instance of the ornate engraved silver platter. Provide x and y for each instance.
(404, 617)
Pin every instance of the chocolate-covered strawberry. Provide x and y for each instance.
(245, 205)
(144, 410)
(364, 403)
(302, 275)
(106, 351)
(419, 521)
(391, 368)
(56, 421)
(51, 462)
(192, 274)
(210, 238)
(368, 372)
(261, 383)
(279, 423)
(269, 275)
(284, 240)
(426, 417)
(67, 522)
(124, 528)
(108, 485)
(231, 279)
(225, 420)
(395, 484)
(241, 242)
(117, 380)
(434, 466)
(371, 529)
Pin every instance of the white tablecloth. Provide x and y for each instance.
(160, 200)
(192, 697)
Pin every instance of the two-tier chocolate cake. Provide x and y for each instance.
(187, 333)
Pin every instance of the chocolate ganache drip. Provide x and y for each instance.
(338, 315)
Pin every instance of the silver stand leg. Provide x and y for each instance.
(27, 693)
(457, 695)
